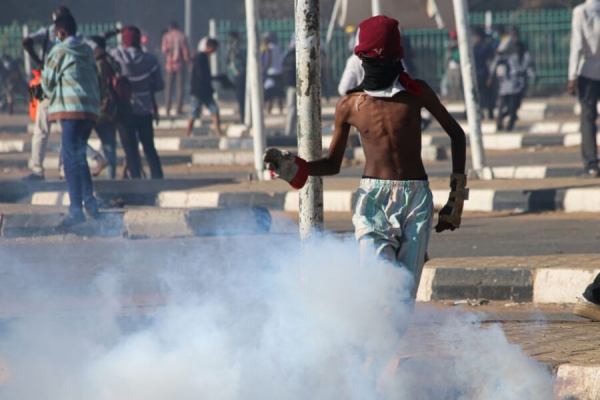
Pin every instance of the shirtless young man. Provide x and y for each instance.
(394, 207)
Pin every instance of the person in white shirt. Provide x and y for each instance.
(584, 78)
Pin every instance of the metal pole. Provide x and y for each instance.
(187, 22)
(310, 146)
(334, 14)
(254, 76)
(26, 58)
(375, 7)
(470, 90)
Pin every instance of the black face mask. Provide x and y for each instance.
(379, 76)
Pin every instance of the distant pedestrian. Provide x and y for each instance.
(46, 39)
(70, 82)
(175, 48)
(143, 71)
(289, 83)
(584, 78)
(512, 84)
(453, 73)
(201, 89)
(236, 62)
(272, 58)
(483, 55)
(106, 127)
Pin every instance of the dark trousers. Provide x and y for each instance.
(179, 77)
(508, 105)
(592, 292)
(485, 95)
(75, 134)
(589, 93)
(136, 129)
(240, 95)
(107, 132)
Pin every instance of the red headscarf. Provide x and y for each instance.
(379, 37)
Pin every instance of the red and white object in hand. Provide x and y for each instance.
(287, 166)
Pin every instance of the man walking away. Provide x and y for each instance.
(175, 48)
(201, 90)
(45, 38)
(143, 71)
(289, 82)
(106, 127)
(584, 78)
(70, 82)
(236, 60)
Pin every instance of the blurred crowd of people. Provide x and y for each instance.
(503, 68)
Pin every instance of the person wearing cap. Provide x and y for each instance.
(143, 71)
(394, 205)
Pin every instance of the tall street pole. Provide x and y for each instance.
(254, 76)
(310, 146)
(375, 7)
(470, 90)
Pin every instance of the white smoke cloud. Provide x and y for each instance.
(251, 322)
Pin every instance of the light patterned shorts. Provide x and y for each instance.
(393, 219)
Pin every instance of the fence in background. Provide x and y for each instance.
(12, 35)
(546, 33)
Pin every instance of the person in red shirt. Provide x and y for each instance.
(175, 48)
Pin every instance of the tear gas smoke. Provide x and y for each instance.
(248, 321)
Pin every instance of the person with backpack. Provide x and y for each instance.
(69, 80)
(512, 84)
(144, 76)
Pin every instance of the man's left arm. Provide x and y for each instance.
(451, 214)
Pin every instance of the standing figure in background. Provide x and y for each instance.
(201, 89)
(513, 84)
(236, 62)
(70, 81)
(106, 127)
(453, 73)
(272, 58)
(483, 55)
(143, 71)
(175, 48)
(289, 82)
(584, 81)
(46, 39)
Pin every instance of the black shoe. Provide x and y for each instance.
(68, 220)
(34, 177)
(590, 173)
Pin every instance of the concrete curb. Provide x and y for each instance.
(144, 223)
(510, 141)
(515, 284)
(481, 200)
